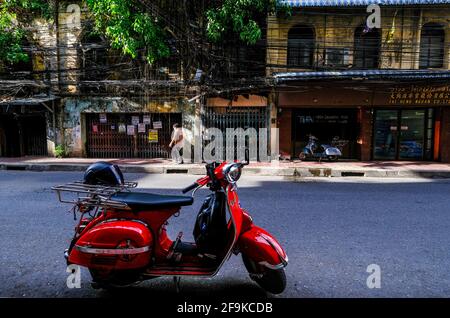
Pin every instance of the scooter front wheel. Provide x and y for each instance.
(271, 280)
(333, 158)
(302, 156)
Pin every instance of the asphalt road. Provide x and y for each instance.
(332, 229)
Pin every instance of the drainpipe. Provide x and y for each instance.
(58, 71)
(402, 38)
(419, 32)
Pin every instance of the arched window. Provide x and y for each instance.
(367, 48)
(301, 41)
(94, 62)
(432, 46)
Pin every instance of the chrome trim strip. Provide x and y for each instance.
(278, 266)
(284, 261)
(112, 251)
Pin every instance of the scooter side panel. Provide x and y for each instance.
(332, 151)
(260, 246)
(121, 244)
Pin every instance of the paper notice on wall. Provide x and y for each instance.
(146, 119)
(95, 128)
(130, 130)
(157, 124)
(135, 120)
(103, 119)
(152, 136)
(122, 128)
(141, 128)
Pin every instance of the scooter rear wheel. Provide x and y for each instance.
(271, 280)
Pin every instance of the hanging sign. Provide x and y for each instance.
(153, 135)
(113, 127)
(141, 128)
(157, 124)
(103, 119)
(130, 130)
(122, 128)
(146, 119)
(135, 120)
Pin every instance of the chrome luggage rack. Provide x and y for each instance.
(88, 195)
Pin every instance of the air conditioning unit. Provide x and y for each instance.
(337, 57)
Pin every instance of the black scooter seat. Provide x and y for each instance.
(150, 201)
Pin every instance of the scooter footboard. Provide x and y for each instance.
(262, 248)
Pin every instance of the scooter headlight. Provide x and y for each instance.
(234, 173)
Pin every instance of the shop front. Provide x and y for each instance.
(404, 122)
(403, 134)
(336, 127)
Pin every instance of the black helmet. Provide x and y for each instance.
(103, 173)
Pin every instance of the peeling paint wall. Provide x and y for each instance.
(75, 107)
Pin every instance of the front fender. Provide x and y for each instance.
(261, 247)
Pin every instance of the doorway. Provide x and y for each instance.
(23, 135)
(337, 127)
(405, 134)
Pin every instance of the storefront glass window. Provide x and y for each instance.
(412, 132)
(403, 134)
(386, 125)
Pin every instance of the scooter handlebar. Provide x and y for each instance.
(190, 187)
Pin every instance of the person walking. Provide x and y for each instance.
(176, 143)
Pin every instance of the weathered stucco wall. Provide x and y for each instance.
(74, 107)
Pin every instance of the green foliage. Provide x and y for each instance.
(60, 151)
(240, 17)
(129, 28)
(10, 39)
(25, 9)
(14, 16)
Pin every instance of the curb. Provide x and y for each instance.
(259, 171)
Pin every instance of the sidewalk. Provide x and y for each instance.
(282, 168)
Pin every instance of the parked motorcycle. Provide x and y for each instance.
(122, 239)
(316, 150)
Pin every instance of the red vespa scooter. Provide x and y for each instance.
(121, 236)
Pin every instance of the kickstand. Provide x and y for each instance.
(177, 281)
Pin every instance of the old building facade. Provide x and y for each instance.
(379, 93)
(90, 100)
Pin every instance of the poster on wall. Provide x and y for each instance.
(157, 124)
(122, 128)
(135, 120)
(95, 128)
(103, 119)
(152, 136)
(130, 130)
(141, 128)
(146, 119)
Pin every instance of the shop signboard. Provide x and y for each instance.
(103, 119)
(157, 125)
(135, 120)
(130, 130)
(153, 135)
(141, 128)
